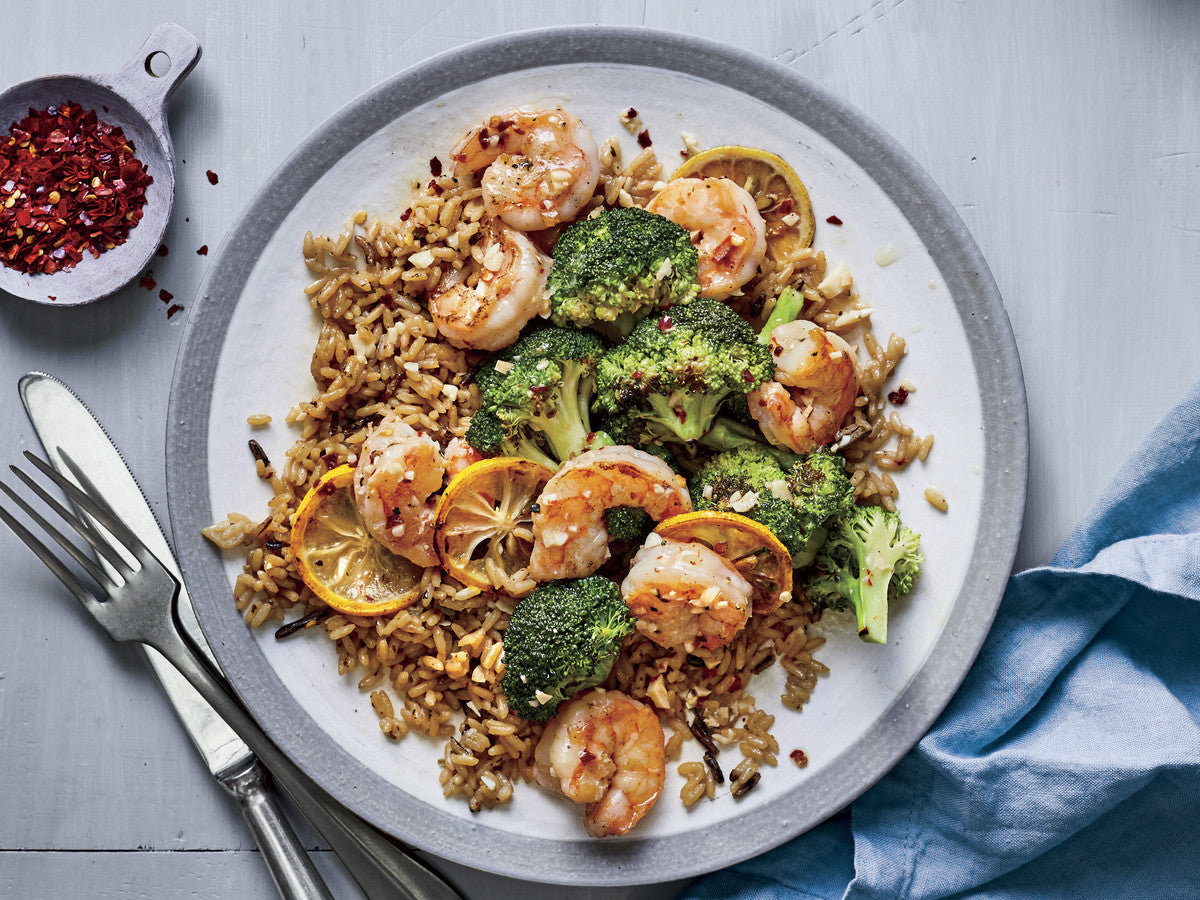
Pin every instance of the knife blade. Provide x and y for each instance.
(63, 422)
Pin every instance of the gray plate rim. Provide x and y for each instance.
(628, 860)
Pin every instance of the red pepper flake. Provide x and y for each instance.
(666, 323)
(644, 138)
(898, 396)
(172, 309)
(834, 220)
(165, 296)
(203, 251)
(799, 757)
(212, 176)
(162, 250)
(404, 215)
(147, 281)
(51, 297)
(435, 166)
(69, 183)
(631, 113)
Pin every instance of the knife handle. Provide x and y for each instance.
(291, 869)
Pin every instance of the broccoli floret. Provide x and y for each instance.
(673, 373)
(612, 269)
(562, 639)
(794, 502)
(536, 396)
(869, 559)
(488, 434)
(629, 524)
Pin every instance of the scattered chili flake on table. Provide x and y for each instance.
(898, 396)
(203, 251)
(833, 220)
(69, 183)
(212, 176)
(643, 138)
(162, 250)
(172, 309)
(165, 296)
(147, 281)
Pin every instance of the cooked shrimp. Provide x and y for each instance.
(570, 537)
(510, 292)
(458, 455)
(540, 166)
(399, 468)
(814, 388)
(606, 750)
(726, 228)
(685, 595)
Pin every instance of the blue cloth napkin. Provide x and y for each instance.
(1068, 764)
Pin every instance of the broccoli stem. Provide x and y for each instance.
(871, 604)
(685, 414)
(727, 434)
(787, 309)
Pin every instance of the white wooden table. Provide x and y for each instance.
(1066, 133)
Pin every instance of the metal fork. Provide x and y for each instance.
(138, 605)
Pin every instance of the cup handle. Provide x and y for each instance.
(137, 82)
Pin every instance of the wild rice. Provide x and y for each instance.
(436, 666)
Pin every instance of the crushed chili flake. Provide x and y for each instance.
(212, 176)
(69, 183)
(643, 138)
(147, 281)
(898, 396)
(435, 166)
(799, 757)
(203, 251)
(165, 296)
(172, 309)
(833, 220)
(162, 250)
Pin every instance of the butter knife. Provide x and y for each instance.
(61, 420)
(383, 869)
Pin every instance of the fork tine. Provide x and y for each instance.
(65, 575)
(92, 505)
(87, 533)
(76, 554)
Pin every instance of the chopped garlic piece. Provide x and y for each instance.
(779, 489)
(691, 143)
(657, 692)
(740, 503)
(541, 697)
(503, 366)
(835, 282)
(422, 259)
(664, 270)
(791, 220)
(886, 255)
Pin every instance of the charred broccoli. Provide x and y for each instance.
(562, 639)
(794, 502)
(869, 559)
(672, 373)
(612, 269)
(536, 396)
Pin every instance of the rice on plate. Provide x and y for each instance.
(435, 664)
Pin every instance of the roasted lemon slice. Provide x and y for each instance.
(747, 545)
(338, 558)
(777, 190)
(483, 524)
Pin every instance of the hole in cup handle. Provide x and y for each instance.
(162, 62)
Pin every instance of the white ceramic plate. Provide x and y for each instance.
(251, 335)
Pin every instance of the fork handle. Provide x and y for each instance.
(382, 868)
(292, 871)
